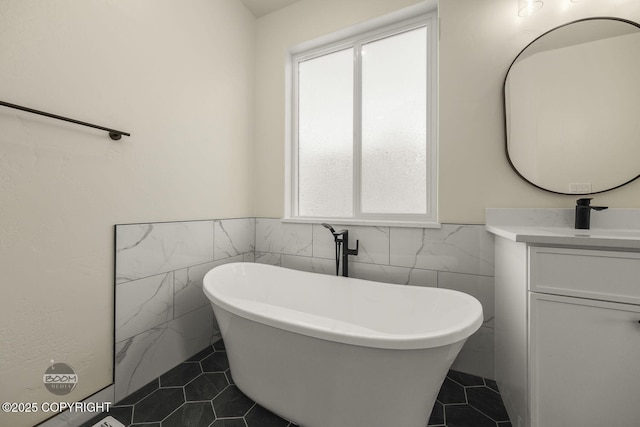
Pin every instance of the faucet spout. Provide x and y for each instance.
(328, 227)
(336, 234)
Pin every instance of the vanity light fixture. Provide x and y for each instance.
(528, 7)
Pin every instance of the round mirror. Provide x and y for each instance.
(572, 107)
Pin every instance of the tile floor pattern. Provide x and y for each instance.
(200, 393)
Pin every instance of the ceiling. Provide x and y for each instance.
(262, 7)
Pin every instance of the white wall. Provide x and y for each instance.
(180, 79)
(478, 41)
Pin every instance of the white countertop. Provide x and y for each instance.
(568, 236)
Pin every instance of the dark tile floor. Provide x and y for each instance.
(200, 393)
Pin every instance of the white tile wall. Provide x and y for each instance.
(373, 246)
(188, 294)
(234, 237)
(163, 316)
(143, 250)
(146, 356)
(393, 274)
(283, 238)
(315, 265)
(143, 304)
(481, 287)
(268, 258)
(454, 248)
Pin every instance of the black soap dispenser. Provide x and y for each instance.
(583, 213)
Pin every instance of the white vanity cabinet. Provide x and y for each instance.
(568, 331)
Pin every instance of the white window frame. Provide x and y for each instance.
(355, 38)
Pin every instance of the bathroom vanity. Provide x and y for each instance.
(567, 326)
(567, 300)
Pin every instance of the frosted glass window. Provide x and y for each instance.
(325, 135)
(363, 135)
(394, 115)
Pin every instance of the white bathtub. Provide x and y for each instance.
(328, 351)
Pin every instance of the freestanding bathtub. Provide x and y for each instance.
(328, 351)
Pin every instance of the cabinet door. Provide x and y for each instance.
(584, 362)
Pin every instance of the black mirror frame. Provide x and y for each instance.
(504, 105)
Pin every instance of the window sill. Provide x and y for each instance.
(364, 222)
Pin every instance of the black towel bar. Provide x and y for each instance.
(113, 133)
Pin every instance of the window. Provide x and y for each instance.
(363, 138)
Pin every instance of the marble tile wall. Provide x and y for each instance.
(459, 257)
(162, 316)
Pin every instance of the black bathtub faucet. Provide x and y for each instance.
(583, 213)
(341, 238)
